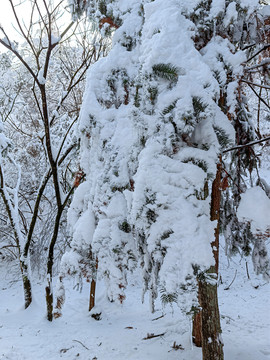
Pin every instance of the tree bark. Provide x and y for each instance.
(197, 328)
(212, 345)
(27, 289)
(93, 287)
(206, 323)
(50, 262)
(92, 294)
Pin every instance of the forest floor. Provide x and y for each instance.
(122, 332)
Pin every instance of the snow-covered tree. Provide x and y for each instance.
(153, 124)
(243, 163)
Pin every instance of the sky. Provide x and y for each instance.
(7, 19)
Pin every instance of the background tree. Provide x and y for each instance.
(49, 73)
(242, 169)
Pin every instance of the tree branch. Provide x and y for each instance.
(237, 147)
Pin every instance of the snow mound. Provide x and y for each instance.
(255, 207)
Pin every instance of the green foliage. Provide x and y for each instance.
(166, 71)
(131, 256)
(166, 235)
(169, 108)
(151, 215)
(198, 162)
(167, 298)
(143, 141)
(102, 7)
(150, 197)
(137, 98)
(119, 188)
(124, 226)
(198, 106)
(153, 92)
(222, 136)
(129, 42)
(116, 250)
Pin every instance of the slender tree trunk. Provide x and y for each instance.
(50, 261)
(206, 323)
(60, 298)
(27, 288)
(93, 288)
(49, 298)
(92, 294)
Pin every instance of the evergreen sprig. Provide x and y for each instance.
(167, 298)
(223, 137)
(169, 108)
(166, 71)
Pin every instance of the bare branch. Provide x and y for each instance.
(258, 52)
(255, 84)
(15, 52)
(21, 29)
(252, 143)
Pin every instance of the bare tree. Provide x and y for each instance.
(50, 99)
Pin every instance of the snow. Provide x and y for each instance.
(217, 7)
(255, 207)
(231, 14)
(26, 334)
(55, 39)
(40, 77)
(265, 10)
(249, 5)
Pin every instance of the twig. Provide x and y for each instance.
(255, 84)
(258, 52)
(176, 347)
(151, 336)
(160, 317)
(227, 288)
(81, 344)
(237, 147)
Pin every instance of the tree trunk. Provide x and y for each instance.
(49, 298)
(93, 286)
(50, 261)
(212, 345)
(92, 294)
(60, 298)
(197, 329)
(206, 323)
(27, 288)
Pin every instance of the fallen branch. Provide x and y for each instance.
(160, 317)
(176, 347)
(151, 336)
(81, 344)
(66, 349)
(227, 288)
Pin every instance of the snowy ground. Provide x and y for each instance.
(27, 335)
